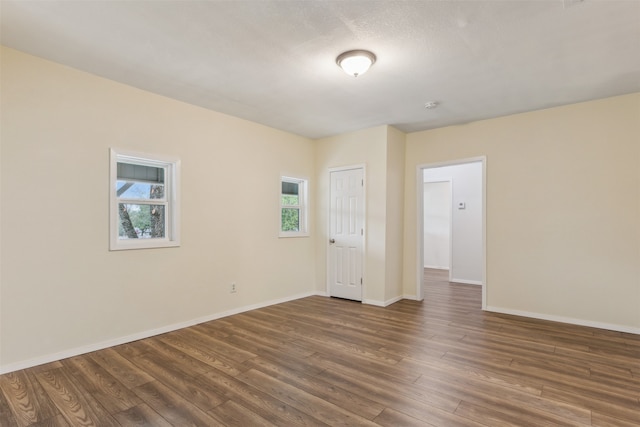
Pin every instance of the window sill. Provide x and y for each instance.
(123, 245)
(290, 235)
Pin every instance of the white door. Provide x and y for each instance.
(346, 234)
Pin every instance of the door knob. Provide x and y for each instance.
(332, 241)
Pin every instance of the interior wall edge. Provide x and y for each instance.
(384, 303)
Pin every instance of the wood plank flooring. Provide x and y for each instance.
(329, 362)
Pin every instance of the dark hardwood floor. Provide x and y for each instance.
(321, 361)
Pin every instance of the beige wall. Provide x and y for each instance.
(563, 228)
(366, 147)
(381, 150)
(61, 288)
(563, 208)
(395, 213)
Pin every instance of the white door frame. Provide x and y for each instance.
(420, 221)
(364, 224)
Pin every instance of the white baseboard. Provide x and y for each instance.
(382, 303)
(466, 282)
(569, 320)
(437, 267)
(373, 302)
(393, 300)
(141, 335)
(169, 328)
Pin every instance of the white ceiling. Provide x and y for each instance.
(273, 62)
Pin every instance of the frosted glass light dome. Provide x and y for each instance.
(356, 62)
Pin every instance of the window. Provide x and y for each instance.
(143, 201)
(293, 207)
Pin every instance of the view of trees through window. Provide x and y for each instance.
(290, 216)
(141, 220)
(144, 201)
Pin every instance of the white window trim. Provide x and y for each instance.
(303, 183)
(172, 191)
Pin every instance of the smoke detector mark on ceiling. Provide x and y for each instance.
(569, 3)
(431, 105)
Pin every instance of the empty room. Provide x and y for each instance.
(320, 213)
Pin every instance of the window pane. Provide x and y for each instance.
(291, 188)
(141, 221)
(290, 219)
(132, 172)
(293, 207)
(139, 190)
(290, 200)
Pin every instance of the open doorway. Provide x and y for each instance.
(451, 223)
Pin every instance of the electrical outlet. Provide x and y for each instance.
(232, 288)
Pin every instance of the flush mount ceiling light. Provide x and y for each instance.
(356, 62)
